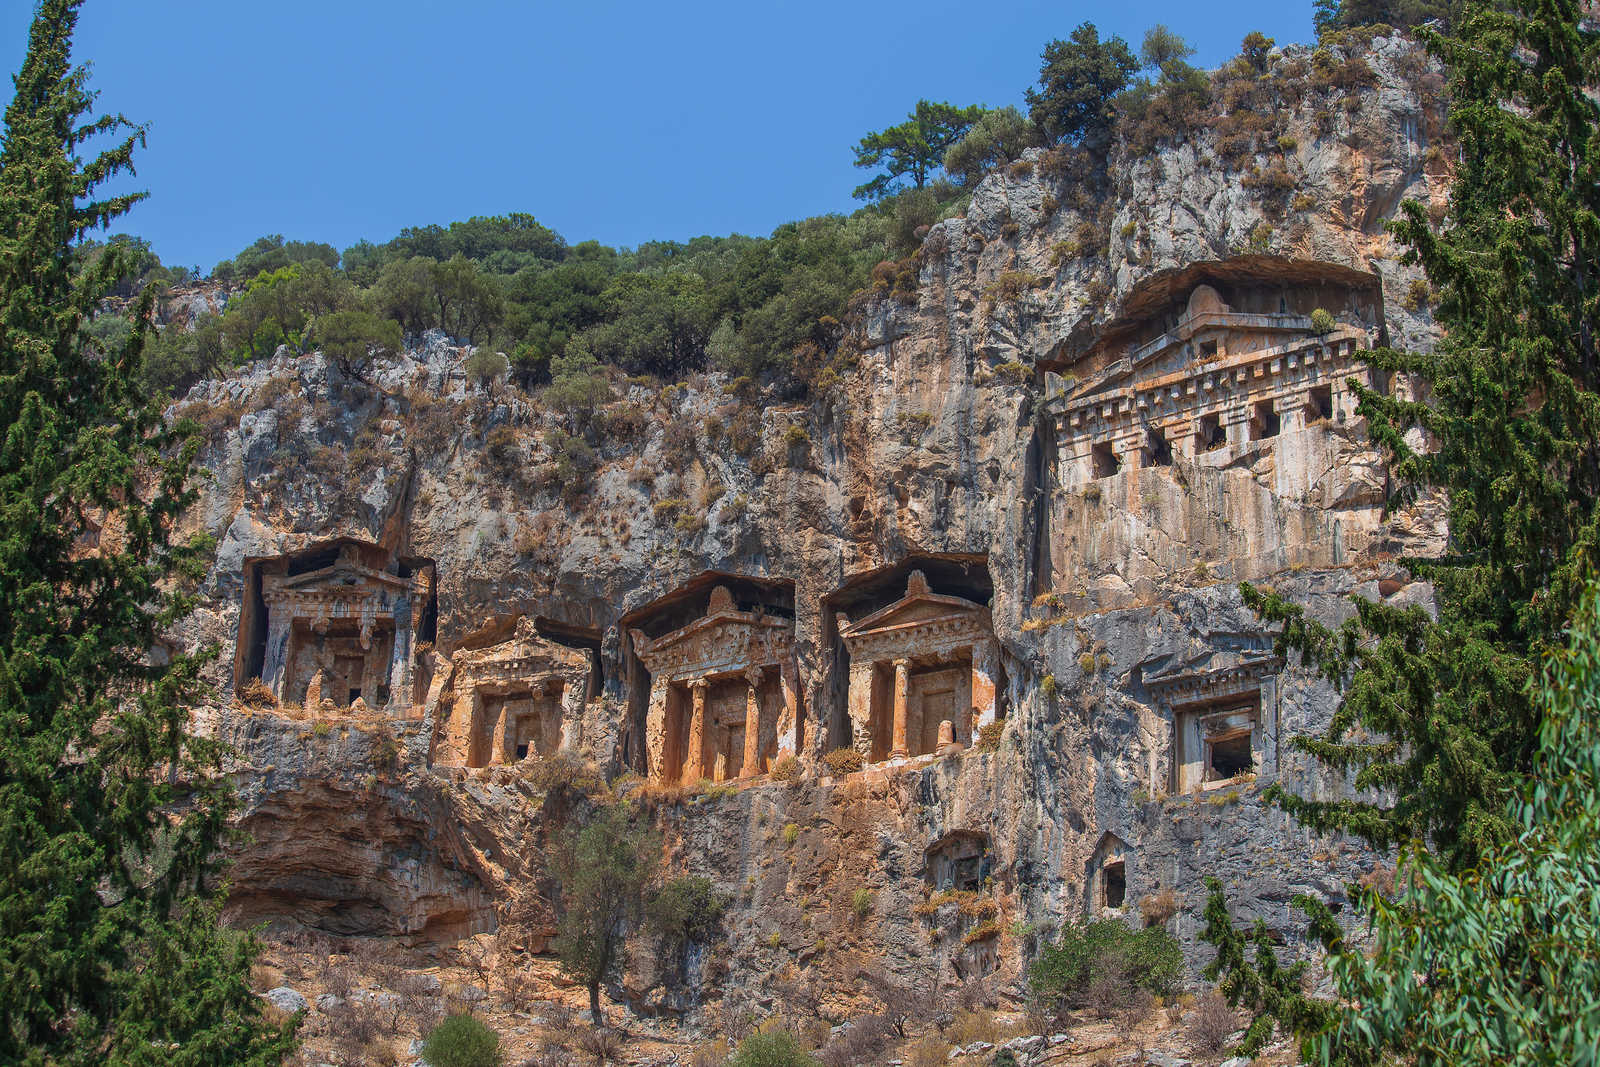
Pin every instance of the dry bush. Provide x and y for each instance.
(928, 1051)
(905, 1004)
(355, 1027)
(1111, 989)
(842, 761)
(1158, 907)
(786, 770)
(420, 1000)
(601, 1044)
(253, 693)
(972, 1025)
(550, 1054)
(710, 1054)
(1213, 1021)
(1140, 1003)
(864, 1041)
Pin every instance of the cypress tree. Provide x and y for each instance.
(1436, 713)
(110, 811)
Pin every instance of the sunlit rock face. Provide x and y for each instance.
(963, 630)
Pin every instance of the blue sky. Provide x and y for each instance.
(625, 122)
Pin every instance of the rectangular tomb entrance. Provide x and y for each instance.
(922, 673)
(723, 694)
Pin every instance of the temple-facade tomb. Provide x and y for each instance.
(922, 676)
(1224, 722)
(522, 698)
(1210, 359)
(724, 694)
(335, 627)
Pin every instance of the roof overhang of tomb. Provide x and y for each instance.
(1210, 686)
(724, 641)
(526, 656)
(1151, 296)
(920, 621)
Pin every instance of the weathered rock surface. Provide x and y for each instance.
(928, 456)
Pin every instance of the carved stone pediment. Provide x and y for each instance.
(725, 640)
(921, 621)
(525, 655)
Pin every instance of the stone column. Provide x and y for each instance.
(789, 732)
(902, 686)
(499, 752)
(752, 725)
(984, 672)
(860, 706)
(655, 729)
(694, 759)
(274, 662)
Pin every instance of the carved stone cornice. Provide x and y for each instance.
(1207, 687)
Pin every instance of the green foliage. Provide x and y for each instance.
(1163, 47)
(1437, 714)
(577, 383)
(1255, 980)
(139, 264)
(1498, 964)
(1078, 80)
(1333, 15)
(914, 149)
(1255, 50)
(772, 1048)
(175, 358)
(351, 338)
(112, 811)
(861, 903)
(1322, 320)
(994, 140)
(603, 866)
(484, 366)
(266, 255)
(684, 910)
(462, 1040)
(1148, 959)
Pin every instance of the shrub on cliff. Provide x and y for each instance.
(684, 910)
(774, 1048)
(1076, 971)
(462, 1041)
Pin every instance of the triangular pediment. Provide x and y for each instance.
(344, 574)
(913, 610)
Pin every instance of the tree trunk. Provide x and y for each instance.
(594, 1004)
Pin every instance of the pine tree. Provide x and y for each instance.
(110, 812)
(1436, 714)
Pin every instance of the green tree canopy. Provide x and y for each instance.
(1498, 964)
(111, 950)
(1437, 714)
(995, 139)
(914, 149)
(273, 253)
(1078, 81)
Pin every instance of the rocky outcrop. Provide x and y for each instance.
(1138, 707)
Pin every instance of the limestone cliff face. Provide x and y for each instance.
(1046, 427)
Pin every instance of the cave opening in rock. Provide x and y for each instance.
(1211, 433)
